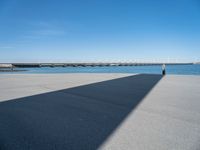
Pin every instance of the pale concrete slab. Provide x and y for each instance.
(18, 85)
(99, 111)
(167, 119)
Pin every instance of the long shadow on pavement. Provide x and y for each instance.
(76, 118)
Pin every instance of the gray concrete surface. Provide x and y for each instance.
(18, 85)
(99, 111)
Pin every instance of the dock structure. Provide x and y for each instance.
(36, 65)
(99, 111)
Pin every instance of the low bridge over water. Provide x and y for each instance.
(35, 65)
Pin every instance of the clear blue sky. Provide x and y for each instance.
(99, 30)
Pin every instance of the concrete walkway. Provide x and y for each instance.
(99, 111)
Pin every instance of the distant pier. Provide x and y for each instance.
(37, 65)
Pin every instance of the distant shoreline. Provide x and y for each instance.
(38, 65)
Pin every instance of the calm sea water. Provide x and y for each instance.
(170, 69)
